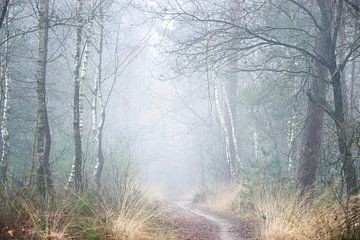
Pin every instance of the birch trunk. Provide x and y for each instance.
(231, 112)
(5, 92)
(42, 126)
(77, 127)
(98, 90)
(256, 144)
(290, 143)
(227, 135)
(5, 118)
(84, 66)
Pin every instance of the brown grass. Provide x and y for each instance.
(139, 216)
(278, 214)
(127, 216)
(223, 198)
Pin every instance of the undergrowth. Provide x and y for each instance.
(128, 215)
(278, 213)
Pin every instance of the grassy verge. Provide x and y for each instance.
(276, 213)
(129, 215)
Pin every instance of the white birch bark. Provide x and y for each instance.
(232, 129)
(290, 142)
(84, 66)
(221, 114)
(99, 98)
(5, 77)
(4, 123)
(256, 144)
(76, 172)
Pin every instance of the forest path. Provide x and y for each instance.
(193, 223)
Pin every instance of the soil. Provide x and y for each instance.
(193, 223)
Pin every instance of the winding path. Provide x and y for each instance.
(196, 224)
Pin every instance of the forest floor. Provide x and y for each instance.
(193, 223)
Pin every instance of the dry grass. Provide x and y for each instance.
(140, 217)
(278, 214)
(221, 198)
(283, 216)
(127, 216)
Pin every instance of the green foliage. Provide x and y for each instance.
(268, 170)
(87, 204)
(86, 227)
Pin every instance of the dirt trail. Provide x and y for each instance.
(196, 224)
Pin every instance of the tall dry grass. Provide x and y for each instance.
(277, 213)
(140, 216)
(127, 215)
(221, 198)
(284, 216)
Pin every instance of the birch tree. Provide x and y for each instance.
(100, 95)
(77, 168)
(98, 99)
(222, 112)
(5, 97)
(42, 125)
(315, 33)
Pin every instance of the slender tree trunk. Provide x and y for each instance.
(2, 100)
(230, 125)
(227, 134)
(100, 154)
(4, 11)
(354, 73)
(231, 92)
(290, 143)
(78, 183)
(42, 135)
(6, 81)
(98, 87)
(340, 113)
(84, 66)
(342, 134)
(256, 144)
(4, 126)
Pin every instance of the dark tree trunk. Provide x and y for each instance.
(342, 133)
(329, 38)
(4, 10)
(312, 136)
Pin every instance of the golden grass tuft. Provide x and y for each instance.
(277, 213)
(222, 198)
(282, 215)
(139, 217)
(128, 215)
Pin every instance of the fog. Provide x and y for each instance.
(154, 108)
(179, 119)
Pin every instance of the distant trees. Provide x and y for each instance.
(60, 41)
(268, 37)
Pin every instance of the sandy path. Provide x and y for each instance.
(195, 224)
